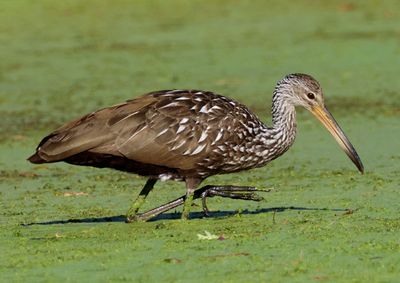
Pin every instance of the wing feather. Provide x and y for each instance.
(91, 131)
(175, 129)
(174, 134)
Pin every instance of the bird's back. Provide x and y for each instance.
(192, 132)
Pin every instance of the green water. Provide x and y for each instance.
(60, 60)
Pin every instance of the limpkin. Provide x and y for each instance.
(189, 135)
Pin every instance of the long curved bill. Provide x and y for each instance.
(333, 127)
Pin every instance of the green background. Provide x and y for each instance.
(62, 59)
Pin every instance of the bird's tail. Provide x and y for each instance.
(36, 159)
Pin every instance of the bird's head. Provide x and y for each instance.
(304, 90)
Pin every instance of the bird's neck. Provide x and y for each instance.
(283, 130)
(283, 116)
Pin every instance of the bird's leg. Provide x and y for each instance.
(161, 209)
(131, 214)
(191, 184)
(245, 193)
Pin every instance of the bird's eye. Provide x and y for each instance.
(311, 95)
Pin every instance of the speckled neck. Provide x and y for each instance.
(284, 125)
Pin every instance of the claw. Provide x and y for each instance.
(244, 193)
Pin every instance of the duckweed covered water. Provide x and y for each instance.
(322, 222)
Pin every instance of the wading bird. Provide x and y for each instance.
(189, 135)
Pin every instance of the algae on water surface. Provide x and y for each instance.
(63, 59)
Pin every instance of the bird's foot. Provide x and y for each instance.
(135, 218)
(234, 192)
(156, 211)
(132, 214)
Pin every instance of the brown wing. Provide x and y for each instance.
(90, 131)
(175, 129)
